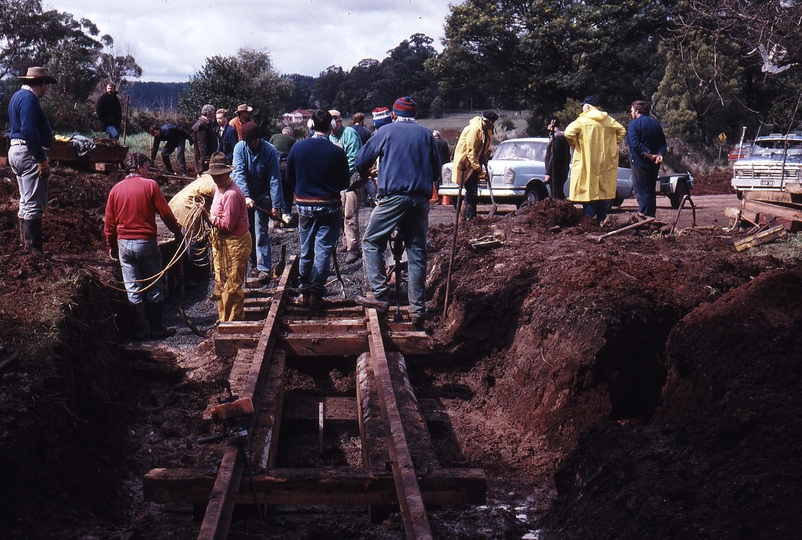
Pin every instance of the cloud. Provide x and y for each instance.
(171, 39)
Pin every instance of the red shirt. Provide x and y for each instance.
(229, 212)
(131, 211)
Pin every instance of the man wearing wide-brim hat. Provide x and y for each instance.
(243, 113)
(30, 135)
(231, 241)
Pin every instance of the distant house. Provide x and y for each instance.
(298, 116)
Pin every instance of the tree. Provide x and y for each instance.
(543, 52)
(302, 91)
(324, 95)
(227, 82)
(115, 68)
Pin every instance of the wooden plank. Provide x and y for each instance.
(413, 512)
(265, 434)
(229, 344)
(323, 344)
(323, 326)
(316, 486)
(222, 499)
(344, 411)
(779, 197)
(768, 209)
(760, 238)
(240, 327)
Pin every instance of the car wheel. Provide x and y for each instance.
(681, 191)
(531, 197)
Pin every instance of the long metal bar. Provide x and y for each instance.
(413, 512)
(223, 497)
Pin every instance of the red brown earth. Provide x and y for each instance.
(644, 387)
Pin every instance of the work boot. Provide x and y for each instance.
(381, 304)
(316, 302)
(157, 328)
(32, 235)
(306, 299)
(139, 322)
(22, 231)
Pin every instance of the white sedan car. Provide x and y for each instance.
(517, 170)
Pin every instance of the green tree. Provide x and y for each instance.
(302, 91)
(226, 82)
(542, 52)
(327, 85)
(113, 67)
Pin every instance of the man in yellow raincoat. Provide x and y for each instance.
(469, 156)
(594, 136)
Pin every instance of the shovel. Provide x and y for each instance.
(490, 189)
(600, 239)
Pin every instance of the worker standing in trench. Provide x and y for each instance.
(130, 229)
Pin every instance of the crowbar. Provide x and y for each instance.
(600, 239)
(454, 245)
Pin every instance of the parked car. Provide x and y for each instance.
(675, 186)
(739, 152)
(517, 170)
(775, 162)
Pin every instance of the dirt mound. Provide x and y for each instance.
(717, 182)
(721, 456)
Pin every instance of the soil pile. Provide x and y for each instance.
(652, 380)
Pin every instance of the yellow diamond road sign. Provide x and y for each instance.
(722, 137)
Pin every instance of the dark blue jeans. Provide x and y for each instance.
(410, 213)
(644, 183)
(318, 227)
(597, 209)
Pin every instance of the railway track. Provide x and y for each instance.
(399, 469)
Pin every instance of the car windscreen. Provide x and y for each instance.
(775, 147)
(535, 151)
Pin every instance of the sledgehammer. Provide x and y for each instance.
(600, 239)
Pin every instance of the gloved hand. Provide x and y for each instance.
(44, 169)
(482, 174)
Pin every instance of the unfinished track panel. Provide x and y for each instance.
(399, 466)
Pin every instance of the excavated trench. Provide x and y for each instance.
(621, 370)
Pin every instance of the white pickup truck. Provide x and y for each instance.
(775, 162)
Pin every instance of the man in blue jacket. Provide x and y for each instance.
(647, 146)
(174, 138)
(30, 134)
(349, 140)
(409, 166)
(257, 173)
(319, 171)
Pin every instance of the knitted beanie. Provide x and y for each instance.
(405, 107)
(381, 117)
(251, 131)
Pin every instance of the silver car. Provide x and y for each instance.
(517, 170)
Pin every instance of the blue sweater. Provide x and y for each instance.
(29, 123)
(645, 135)
(319, 171)
(410, 161)
(257, 173)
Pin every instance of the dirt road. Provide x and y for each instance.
(709, 210)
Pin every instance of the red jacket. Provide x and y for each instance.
(131, 211)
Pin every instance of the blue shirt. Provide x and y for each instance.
(29, 123)
(257, 173)
(410, 161)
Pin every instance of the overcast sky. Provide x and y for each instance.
(171, 39)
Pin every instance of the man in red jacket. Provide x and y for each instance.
(130, 229)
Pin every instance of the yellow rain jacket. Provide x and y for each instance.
(471, 150)
(594, 136)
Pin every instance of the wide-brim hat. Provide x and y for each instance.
(244, 108)
(216, 169)
(37, 74)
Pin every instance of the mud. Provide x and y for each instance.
(644, 387)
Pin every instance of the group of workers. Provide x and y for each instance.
(242, 189)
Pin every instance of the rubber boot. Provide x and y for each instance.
(22, 231)
(139, 314)
(32, 235)
(157, 328)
